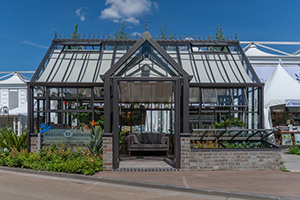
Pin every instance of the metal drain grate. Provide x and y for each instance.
(145, 169)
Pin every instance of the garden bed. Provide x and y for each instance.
(54, 159)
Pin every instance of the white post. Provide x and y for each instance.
(19, 126)
(14, 124)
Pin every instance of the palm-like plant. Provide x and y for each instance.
(95, 145)
(9, 139)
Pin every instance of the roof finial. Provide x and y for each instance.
(55, 34)
(146, 25)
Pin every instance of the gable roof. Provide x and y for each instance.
(146, 37)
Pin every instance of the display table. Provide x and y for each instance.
(287, 137)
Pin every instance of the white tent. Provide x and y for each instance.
(21, 110)
(254, 51)
(280, 88)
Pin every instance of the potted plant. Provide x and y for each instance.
(136, 105)
(166, 105)
(156, 105)
(147, 105)
(127, 105)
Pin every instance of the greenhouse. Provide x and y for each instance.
(149, 94)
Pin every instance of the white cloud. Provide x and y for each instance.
(81, 15)
(126, 10)
(34, 44)
(78, 11)
(134, 34)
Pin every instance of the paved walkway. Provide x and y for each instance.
(291, 162)
(275, 183)
(144, 163)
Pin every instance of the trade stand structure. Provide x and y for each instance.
(148, 87)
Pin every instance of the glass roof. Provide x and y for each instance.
(146, 61)
(86, 61)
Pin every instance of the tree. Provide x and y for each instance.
(164, 33)
(75, 33)
(121, 35)
(75, 36)
(219, 34)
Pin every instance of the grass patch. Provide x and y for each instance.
(283, 168)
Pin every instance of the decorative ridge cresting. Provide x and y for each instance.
(171, 37)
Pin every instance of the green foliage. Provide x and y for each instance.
(295, 150)
(121, 35)
(85, 118)
(164, 33)
(233, 122)
(121, 138)
(75, 33)
(219, 34)
(283, 168)
(9, 140)
(95, 145)
(244, 145)
(54, 159)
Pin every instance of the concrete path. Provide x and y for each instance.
(269, 183)
(25, 186)
(143, 163)
(291, 162)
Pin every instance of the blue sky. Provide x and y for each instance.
(27, 27)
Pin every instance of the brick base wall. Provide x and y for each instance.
(234, 159)
(227, 159)
(107, 153)
(185, 153)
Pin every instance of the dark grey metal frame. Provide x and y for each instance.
(110, 82)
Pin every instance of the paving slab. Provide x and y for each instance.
(291, 162)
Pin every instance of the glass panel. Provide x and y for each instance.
(84, 92)
(55, 119)
(99, 92)
(224, 97)
(40, 105)
(55, 104)
(239, 97)
(70, 104)
(209, 97)
(207, 120)
(194, 95)
(146, 55)
(70, 120)
(55, 92)
(69, 92)
(39, 92)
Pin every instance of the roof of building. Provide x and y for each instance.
(13, 78)
(85, 60)
(254, 51)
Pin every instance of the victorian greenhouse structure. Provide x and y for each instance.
(149, 95)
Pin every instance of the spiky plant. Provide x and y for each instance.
(9, 139)
(95, 145)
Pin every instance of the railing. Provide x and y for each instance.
(232, 135)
